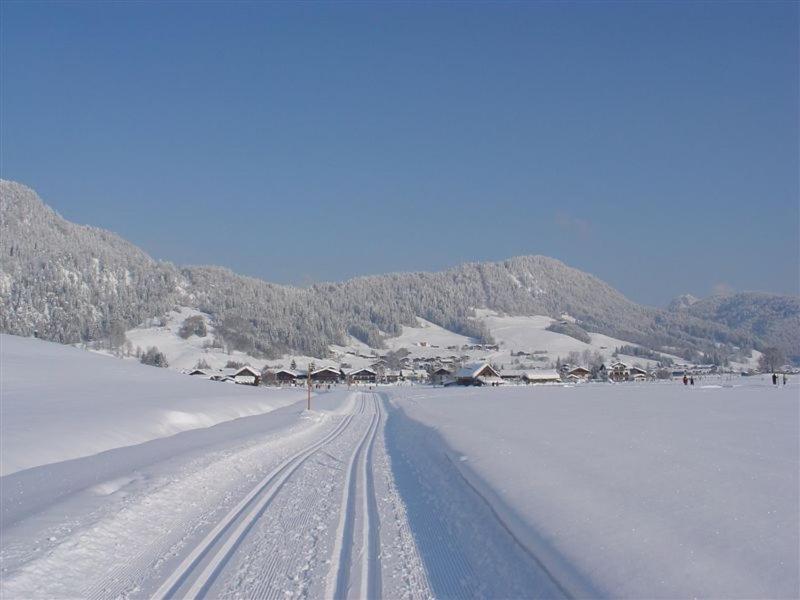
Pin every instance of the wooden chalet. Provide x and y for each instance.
(580, 373)
(365, 375)
(618, 372)
(542, 376)
(477, 374)
(326, 375)
(285, 376)
(247, 376)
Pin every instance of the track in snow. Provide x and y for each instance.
(276, 539)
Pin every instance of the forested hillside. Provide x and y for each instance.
(73, 283)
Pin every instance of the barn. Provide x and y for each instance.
(247, 376)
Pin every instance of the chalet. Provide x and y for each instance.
(364, 375)
(286, 376)
(580, 373)
(477, 374)
(512, 375)
(247, 376)
(542, 376)
(198, 372)
(618, 372)
(392, 376)
(637, 374)
(439, 375)
(326, 375)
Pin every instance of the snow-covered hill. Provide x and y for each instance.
(73, 283)
(60, 403)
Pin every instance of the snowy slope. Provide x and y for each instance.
(529, 334)
(183, 353)
(636, 490)
(60, 402)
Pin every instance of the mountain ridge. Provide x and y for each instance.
(72, 283)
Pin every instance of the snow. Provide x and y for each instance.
(437, 339)
(529, 334)
(60, 403)
(122, 480)
(183, 354)
(635, 490)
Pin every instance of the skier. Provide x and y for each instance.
(691, 380)
(774, 379)
(685, 379)
(784, 379)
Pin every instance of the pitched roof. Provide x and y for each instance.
(542, 375)
(331, 369)
(471, 370)
(247, 371)
(361, 370)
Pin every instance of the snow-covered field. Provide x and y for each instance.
(633, 490)
(636, 490)
(60, 402)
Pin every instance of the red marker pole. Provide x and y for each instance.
(308, 403)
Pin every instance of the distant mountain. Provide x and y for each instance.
(772, 318)
(682, 301)
(74, 283)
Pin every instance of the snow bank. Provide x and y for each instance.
(60, 403)
(644, 490)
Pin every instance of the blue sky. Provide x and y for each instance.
(652, 144)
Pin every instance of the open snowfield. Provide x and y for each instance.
(636, 490)
(631, 490)
(60, 402)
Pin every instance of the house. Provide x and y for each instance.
(542, 376)
(439, 375)
(326, 375)
(392, 376)
(286, 376)
(637, 374)
(247, 376)
(580, 373)
(512, 375)
(618, 372)
(364, 375)
(198, 372)
(480, 373)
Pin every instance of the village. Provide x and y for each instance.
(446, 371)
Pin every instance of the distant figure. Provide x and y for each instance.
(685, 380)
(784, 379)
(691, 380)
(774, 379)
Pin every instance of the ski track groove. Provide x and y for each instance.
(246, 512)
(338, 581)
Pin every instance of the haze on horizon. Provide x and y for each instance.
(653, 145)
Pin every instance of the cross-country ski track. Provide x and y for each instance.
(354, 502)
